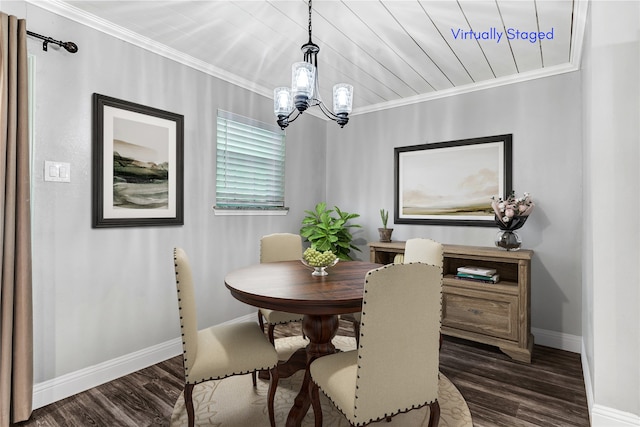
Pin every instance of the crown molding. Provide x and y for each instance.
(472, 87)
(69, 11)
(580, 10)
(66, 10)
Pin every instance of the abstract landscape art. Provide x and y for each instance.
(451, 183)
(138, 165)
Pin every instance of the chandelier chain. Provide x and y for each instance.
(309, 21)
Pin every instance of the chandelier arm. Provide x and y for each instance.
(326, 111)
(317, 84)
(294, 117)
(341, 118)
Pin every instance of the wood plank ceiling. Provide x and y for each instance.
(392, 51)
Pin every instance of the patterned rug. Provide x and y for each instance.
(234, 402)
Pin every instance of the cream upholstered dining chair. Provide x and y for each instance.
(418, 249)
(273, 248)
(395, 367)
(423, 250)
(218, 351)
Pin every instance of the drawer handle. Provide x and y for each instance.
(475, 311)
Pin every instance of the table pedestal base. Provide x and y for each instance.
(320, 330)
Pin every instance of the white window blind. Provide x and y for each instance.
(250, 158)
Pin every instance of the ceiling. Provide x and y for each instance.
(393, 52)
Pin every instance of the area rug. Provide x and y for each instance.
(234, 402)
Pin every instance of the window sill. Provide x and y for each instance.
(251, 211)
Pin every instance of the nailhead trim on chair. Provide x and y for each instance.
(184, 345)
(364, 423)
(226, 376)
(278, 323)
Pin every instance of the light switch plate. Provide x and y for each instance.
(57, 171)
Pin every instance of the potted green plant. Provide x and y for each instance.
(385, 233)
(326, 231)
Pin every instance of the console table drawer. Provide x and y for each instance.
(485, 313)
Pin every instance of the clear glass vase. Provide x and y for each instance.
(509, 240)
(320, 270)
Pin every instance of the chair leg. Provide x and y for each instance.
(254, 379)
(270, 333)
(356, 331)
(315, 403)
(188, 403)
(273, 385)
(260, 321)
(434, 414)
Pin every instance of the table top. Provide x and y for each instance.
(289, 286)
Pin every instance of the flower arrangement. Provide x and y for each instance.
(512, 212)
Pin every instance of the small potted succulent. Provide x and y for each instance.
(385, 233)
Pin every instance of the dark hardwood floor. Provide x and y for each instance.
(499, 392)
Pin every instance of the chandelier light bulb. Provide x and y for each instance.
(302, 80)
(342, 98)
(303, 76)
(282, 101)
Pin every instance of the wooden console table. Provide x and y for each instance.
(495, 314)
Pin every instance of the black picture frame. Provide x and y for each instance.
(138, 165)
(452, 182)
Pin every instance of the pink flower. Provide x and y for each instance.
(512, 211)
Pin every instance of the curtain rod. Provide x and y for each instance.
(70, 46)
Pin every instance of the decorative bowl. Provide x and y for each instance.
(320, 270)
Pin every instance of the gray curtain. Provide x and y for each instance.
(16, 324)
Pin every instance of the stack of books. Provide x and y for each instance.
(478, 274)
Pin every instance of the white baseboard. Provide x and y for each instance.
(61, 387)
(603, 416)
(588, 383)
(58, 388)
(557, 340)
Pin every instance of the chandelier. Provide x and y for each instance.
(304, 91)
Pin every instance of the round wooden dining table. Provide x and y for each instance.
(289, 286)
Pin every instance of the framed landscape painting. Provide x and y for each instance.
(137, 165)
(451, 183)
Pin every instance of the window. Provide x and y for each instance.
(250, 159)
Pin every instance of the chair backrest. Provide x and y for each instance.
(423, 250)
(187, 308)
(280, 247)
(398, 351)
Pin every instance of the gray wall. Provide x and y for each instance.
(611, 320)
(103, 293)
(544, 117)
